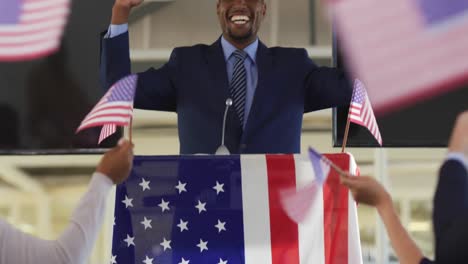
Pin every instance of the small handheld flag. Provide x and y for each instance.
(31, 29)
(114, 109)
(361, 113)
(297, 203)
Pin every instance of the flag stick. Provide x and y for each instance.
(334, 166)
(346, 134)
(345, 138)
(130, 128)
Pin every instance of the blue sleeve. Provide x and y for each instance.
(325, 87)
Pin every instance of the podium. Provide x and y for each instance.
(227, 209)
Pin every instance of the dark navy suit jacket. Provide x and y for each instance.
(450, 214)
(194, 84)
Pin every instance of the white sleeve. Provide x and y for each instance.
(75, 243)
(115, 30)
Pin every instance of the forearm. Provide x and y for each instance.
(75, 243)
(78, 239)
(404, 246)
(120, 14)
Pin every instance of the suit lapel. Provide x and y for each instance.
(218, 72)
(264, 62)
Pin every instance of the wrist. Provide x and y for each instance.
(120, 14)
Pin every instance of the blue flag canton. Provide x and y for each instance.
(183, 210)
(124, 89)
(359, 94)
(441, 11)
(10, 11)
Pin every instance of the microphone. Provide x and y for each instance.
(223, 150)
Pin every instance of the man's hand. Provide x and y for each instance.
(459, 138)
(121, 10)
(117, 162)
(367, 190)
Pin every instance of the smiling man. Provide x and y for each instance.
(270, 88)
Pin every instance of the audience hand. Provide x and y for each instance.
(117, 162)
(367, 190)
(459, 138)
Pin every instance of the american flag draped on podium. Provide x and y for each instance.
(361, 113)
(114, 109)
(404, 50)
(31, 29)
(212, 209)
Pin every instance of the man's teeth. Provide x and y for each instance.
(239, 20)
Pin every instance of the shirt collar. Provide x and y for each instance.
(228, 49)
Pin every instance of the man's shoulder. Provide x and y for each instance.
(288, 51)
(191, 49)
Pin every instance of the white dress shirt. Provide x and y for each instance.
(74, 245)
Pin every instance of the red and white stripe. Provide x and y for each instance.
(106, 131)
(38, 32)
(329, 234)
(117, 113)
(396, 55)
(364, 116)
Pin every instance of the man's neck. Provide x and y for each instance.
(240, 44)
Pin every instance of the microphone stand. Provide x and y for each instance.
(223, 150)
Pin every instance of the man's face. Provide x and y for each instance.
(240, 19)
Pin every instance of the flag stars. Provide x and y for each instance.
(183, 261)
(164, 205)
(144, 184)
(218, 187)
(130, 241)
(221, 261)
(146, 223)
(166, 244)
(221, 226)
(113, 261)
(127, 202)
(183, 225)
(201, 207)
(181, 187)
(203, 245)
(148, 260)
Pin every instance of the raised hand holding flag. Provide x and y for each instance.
(114, 109)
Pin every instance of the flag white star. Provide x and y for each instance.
(148, 260)
(221, 261)
(166, 244)
(183, 261)
(144, 184)
(221, 226)
(127, 202)
(129, 241)
(183, 225)
(218, 187)
(203, 245)
(164, 205)
(146, 223)
(181, 187)
(113, 261)
(201, 207)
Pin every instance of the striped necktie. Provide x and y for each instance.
(238, 86)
